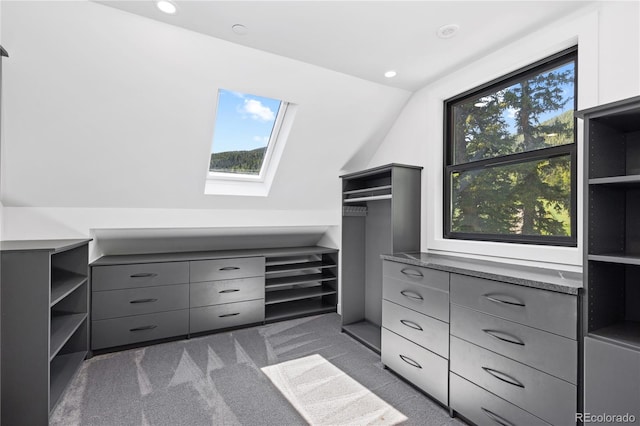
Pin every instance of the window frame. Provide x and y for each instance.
(563, 57)
(266, 162)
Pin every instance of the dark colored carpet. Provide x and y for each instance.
(217, 379)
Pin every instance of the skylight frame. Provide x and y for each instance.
(266, 162)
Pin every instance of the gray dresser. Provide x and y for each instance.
(147, 297)
(415, 326)
(499, 342)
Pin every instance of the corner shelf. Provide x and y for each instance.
(45, 333)
(301, 283)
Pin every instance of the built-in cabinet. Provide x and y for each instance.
(147, 297)
(380, 214)
(45, 329)
(495, 352)
(612, 258)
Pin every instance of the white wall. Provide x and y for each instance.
(109, 119)
(608, 38)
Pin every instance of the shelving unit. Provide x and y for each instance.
(612, 257)
(380, 215)
(299, 283)
(45, 334)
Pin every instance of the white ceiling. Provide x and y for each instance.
(365, 38)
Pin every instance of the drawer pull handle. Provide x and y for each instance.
(230, 290)
(500, 335)
(410, 361)
(411, 324)
(496, 299)
(228, 315)
(229, 268)
(144, 327)
(412, 273)
(496, 418)
(143, 275)
(504, 377)
(411, 295)
(144, 301)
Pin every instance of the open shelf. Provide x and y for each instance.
(297, 279)
(272, 297)
(386, 188)
(623, 258)
(366, 333)
(62, 328)
(625, 332)
(630, 180)
(370, 198)
(298, 308)
(300, 266)
(62, 370)
(64, 283)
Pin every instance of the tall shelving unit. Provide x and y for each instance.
(45, 331)
(612, 258)
(380, 215)
(300, 282)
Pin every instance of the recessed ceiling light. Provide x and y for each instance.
(239, 29)
(390, 74)
(167, 7)
(448, 31)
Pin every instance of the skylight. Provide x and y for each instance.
(246, 130)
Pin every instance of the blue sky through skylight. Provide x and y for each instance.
(243, 122)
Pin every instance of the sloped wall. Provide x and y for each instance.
(109, 118)
(608, 39)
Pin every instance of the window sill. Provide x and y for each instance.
(236, 187)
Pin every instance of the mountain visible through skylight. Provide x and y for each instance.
(245, 129)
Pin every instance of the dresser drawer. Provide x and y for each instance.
(548, 352)
(430, 278)
(421, 367)
(146, 300)
(140, 328)
(139, 275)
(546, 310)
(226, 269)
(228, 315)
(428, 294)
(427, 332)
(541, 394)
(226, 291)
(486, 409)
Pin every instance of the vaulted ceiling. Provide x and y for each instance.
(365, 38)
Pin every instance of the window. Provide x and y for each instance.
(510, 157)
(246, 130)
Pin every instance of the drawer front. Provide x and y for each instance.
(421, 367)
(548, 352)
(139, 275)
(137, 301)
(226, 269)
(486, 409)
(226, 291)
(431, 278)
(427, 332)
(541, 394)
(546, 310)
(140, 328)
(420, 298)
(228, 315)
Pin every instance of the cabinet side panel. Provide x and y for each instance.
(633, 153)
(352, 268)
(377, 242)
(606, 150)
(612, 379)
(405, 220)
(25, 337)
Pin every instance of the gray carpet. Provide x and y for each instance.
(217, 380)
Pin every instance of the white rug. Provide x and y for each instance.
(324, 395)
